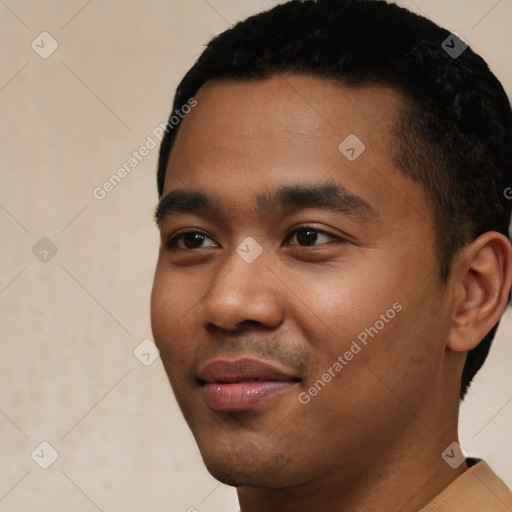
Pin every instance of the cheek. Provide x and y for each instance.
(161, 306)
(170, 305)
(173, 296)
(387, 330)
(377, 385)
(337, 306)
(400, 360)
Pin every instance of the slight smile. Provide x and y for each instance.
(242, 384)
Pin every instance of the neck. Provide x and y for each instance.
(405, 478)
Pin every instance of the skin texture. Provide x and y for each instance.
(372, 438)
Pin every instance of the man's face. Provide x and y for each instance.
(271, 290)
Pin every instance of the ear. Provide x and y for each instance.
(481, 279)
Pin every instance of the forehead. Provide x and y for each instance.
(248, 137)
(286, 112)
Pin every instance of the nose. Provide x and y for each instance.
(243, 292)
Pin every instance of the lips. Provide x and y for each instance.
(242, 384)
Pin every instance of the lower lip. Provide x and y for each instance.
(239, 396)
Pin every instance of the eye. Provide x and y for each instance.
(304, 236)
(187, 240)
(307, 236)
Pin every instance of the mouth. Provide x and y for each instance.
(242, 384)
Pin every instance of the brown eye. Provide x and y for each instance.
(187, 240)
(308, 236)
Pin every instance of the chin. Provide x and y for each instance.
(243, 475)
(234, 477)
(245, 465)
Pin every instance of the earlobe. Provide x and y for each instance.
(483, 275)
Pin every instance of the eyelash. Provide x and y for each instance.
(171, 242)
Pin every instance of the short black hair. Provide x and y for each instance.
(454, 135)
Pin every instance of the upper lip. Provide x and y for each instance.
(242, 370)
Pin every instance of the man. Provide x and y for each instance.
(335, 257)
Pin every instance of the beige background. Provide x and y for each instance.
(69, 325)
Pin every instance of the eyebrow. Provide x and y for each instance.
(328, 196)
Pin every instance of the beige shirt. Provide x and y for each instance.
(478, 489)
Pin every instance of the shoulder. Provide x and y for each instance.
(478, 489)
